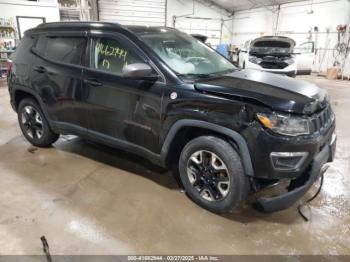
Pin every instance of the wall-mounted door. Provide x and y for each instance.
(136, 12)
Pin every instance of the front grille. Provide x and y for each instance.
(323, 119)
(273, 65)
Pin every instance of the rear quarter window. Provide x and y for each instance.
(23, 49)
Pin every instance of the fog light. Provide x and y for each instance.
(287, 161)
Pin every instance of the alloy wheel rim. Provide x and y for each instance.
(208, 174)
(32, 122)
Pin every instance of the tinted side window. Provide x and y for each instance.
(111, 55)
(65, 49)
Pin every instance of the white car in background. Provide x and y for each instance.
(305, 55)
(273, 54)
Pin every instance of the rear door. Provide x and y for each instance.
(121, 109)
(58, 77)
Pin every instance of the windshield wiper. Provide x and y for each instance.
(195, 75)
(225, 71)
(209, 74)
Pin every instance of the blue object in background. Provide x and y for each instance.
(223, 49)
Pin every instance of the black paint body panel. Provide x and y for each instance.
(140, 116)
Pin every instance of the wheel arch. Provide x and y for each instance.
(186, 129)
(19, 93)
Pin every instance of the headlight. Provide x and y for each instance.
(285, 124)
(254, 59)
(289, 61)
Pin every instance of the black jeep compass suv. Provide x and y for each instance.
(168, 97)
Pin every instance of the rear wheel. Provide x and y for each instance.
(212, 174)
(34, 125)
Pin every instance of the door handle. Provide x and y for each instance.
(40, 69)
(92, 82)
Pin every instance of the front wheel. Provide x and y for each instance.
(212, 174)
(34, 125)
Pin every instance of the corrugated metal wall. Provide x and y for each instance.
(212, 28)
(133, 12)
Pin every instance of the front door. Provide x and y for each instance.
(305, 57)
(121, 109)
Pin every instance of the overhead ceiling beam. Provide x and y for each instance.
(211, 3)
(257, 5)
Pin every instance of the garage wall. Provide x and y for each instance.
(135, 12)
(192, 16)
(297, 20)
(44, 8)
(200, 18)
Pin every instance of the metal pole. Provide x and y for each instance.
(277, 19)
(222, 25)
(97, 10)
(166, 12)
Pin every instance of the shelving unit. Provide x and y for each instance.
(6, 26)
(7, 38)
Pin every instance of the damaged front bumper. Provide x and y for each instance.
(300, 186)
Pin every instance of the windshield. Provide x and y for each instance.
(186, 55)
(270, 47)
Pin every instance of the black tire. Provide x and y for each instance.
(238, 182)
(47, 137)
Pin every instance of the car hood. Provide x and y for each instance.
(273, 41)
(280, 93)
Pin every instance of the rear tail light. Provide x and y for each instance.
(9, 65)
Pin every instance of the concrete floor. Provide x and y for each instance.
(90, 199)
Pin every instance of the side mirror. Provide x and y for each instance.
(139, 71)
